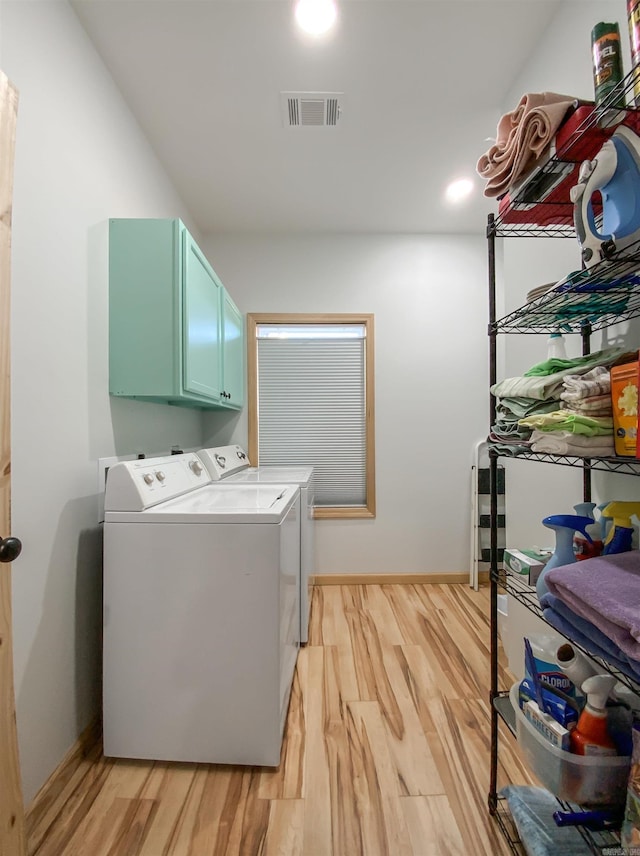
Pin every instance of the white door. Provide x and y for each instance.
(12, 833)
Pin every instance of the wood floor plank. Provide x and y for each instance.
(432, 826)
(124, 780)
(317, 793)
(248, 818)
(378, 605)
(121, 826)
(285, 834)
(346, 832)
(338, 613)
(457, 727)
(185, 833)
(377, 803)
(417, 773)
(57, 804)
(286, 781)
(168, 785)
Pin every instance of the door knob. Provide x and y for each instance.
(10, 549)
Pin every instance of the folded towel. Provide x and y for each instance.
(550, 386)
(606, 591)
(522, 136)
(512, 409)
(511, 450)
(573, 423)
(594, 382)
(594, 405)
(578, 440)
(587, 636)
(532, 811)
(565, 443)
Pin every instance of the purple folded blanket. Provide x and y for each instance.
(605, 591)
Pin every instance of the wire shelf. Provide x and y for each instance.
(555, 218)
(527, 596)
(605, 294)
(625, 466)
(597, 841)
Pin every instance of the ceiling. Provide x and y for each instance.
(423, 83)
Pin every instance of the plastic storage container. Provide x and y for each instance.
(583, 779)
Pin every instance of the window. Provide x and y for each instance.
(310, 403)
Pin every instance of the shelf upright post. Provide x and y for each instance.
(585, 333)
(493, 519)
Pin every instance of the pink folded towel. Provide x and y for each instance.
(521, 138)
(606, 591)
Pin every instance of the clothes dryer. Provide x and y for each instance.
(230, 464)
(201, 613)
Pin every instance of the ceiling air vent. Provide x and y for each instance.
(311, 109)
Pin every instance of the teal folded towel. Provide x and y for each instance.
(532, 812)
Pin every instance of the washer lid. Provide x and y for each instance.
(216, 503)
(224, 461)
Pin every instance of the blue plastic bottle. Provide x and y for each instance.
(564, 525)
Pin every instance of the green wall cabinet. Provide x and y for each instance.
(175, 334)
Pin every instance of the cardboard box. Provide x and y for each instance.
(526, 564)
(624, 406)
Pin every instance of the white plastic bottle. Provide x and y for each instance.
(575, 665)
(555, 347)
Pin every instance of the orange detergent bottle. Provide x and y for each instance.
(590, 736)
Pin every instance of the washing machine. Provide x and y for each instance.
(230, 464)
(201, 613)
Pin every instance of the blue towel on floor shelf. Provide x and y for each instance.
(587, 635)
(532, 812)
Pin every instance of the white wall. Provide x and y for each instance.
(80, 159)
(429, 298)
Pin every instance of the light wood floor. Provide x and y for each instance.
(386, 751)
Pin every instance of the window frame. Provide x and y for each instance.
(254, 320)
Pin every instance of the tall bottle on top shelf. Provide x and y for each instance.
(555, 347)
(607, 61)
(633, 15)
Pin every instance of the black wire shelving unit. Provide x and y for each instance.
(584, 301)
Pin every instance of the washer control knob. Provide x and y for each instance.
(148, 478)
(196, 466)
(160, 476)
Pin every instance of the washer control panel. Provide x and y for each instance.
(136, 485)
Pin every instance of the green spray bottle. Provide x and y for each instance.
(564, 525)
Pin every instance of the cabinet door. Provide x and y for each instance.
(233, 352)
(202, 368)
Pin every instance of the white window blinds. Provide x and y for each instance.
(312, 408)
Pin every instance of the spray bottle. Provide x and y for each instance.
(564, 525)
(620, 537)
(590, 736)
(582, 548)
(605, 521)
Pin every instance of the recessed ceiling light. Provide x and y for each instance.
(316, 16)
(459, 190)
